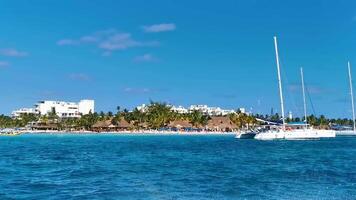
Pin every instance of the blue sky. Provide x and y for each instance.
(218, 53)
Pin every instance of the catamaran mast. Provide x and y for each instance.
(352, 96)
(305, 105)
(279, 81)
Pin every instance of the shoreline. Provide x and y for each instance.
(129, 133)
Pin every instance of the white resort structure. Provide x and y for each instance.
(21, 111)
(63, 109)
(211, 111)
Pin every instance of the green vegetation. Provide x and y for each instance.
(243, 120)
(8, 122)
(197, 118)
(158, 115)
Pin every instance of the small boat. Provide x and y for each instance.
(246, 135)
(9, 132)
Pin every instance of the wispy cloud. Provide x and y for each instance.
(64, 42)
(79, 77)
(4, 64)
(12, 53)
(108, 40)
(145, 58)
(156, 28)
(312, 89)
(119, 41)
(137, 90)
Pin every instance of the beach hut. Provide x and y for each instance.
(44, 126)
(180, 125)
(122, 125)
(221, 124)
(103, 126)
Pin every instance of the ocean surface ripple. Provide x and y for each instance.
(175, 167)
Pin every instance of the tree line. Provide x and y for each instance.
(156, 115)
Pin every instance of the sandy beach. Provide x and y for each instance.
(146, 132)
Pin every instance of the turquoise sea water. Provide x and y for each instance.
(175, 167)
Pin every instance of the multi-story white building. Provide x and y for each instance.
(179, 109)
(65, 109)
(86, 106)
(61, 108)
(242, 110)
(142, 108)
(21, 111)
(211, 111)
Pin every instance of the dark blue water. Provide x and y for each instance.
(175, 167)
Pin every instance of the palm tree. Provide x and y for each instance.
(102, 114)
(158, 115)
(52, 116)
(312, 120)
(243, 120)
(197, 118)
(136, 117)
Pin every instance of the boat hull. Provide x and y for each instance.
(345, 133)
(326, 133)
(246, 135)
(295, 134)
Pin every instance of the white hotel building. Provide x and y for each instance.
(211, 111)
(62, 108)
(21, 111)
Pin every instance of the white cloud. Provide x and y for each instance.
(137, 90)
(66, 42)
(159, 28)
(106, 53)
(12, 53)
(312, 89)
(108, 40)
(88, 39)
(79, 76)
(4, 64)
(145, 58)
(118, 41)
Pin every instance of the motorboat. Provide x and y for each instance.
(246, 134)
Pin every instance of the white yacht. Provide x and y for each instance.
(288, 134)
(346, 133)
(291, 134)
(353, 131)
(246, 135)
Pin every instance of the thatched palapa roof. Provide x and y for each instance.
(122, 123)
(102, 124)
(180, 124)
(221, 123)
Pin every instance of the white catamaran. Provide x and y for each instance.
(283, 133)
(353, 131)
(320, 133)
